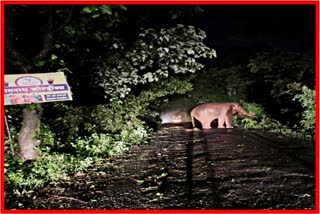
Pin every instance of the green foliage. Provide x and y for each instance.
(40, 63)
(23, 177)
(111, 130)
(270, 80)
(97, 10)
(220, 85)
(276, 71)
(131, 111)
(307, 100)
(69, 121)
(156, 55)
(101, 145)
(52, 64)
(37, 107)
(264, 122)
(14, 117)
(260, 121)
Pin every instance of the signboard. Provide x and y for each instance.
(36, 88)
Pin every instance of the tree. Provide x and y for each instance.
(29, 50)
(135, 76)
(156, 55)
(91, 44)
(275, 71)
(24, 59)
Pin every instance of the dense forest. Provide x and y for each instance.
(127, 63)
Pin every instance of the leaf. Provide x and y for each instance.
(40, 63)
(90, 9)
(190, 51)
(106, 10)
(95, 15)
(148, 76)
(214, 53)
(53, 57)
(122, 7)
(166, 49)
(86, 10)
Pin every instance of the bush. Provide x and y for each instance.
(23, 177)
(307, 99)
(263, 121)
(80, 136)
(220, 85)
(102, 145)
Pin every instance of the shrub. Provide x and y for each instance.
(263, 121)
(307, 99)
(23, 177)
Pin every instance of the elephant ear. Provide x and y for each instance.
(234, 109)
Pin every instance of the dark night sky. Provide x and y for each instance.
(231, 29)
(236, 31)
(281, 26)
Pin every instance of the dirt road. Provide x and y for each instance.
(187, 169)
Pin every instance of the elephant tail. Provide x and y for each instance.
(192, 118)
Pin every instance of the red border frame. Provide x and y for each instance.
(208, 2)
(240, 2)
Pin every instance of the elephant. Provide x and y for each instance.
(224, 112)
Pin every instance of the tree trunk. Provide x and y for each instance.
(27, 142)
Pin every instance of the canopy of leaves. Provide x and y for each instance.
(156, 55)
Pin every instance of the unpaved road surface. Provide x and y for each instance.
(192, 169)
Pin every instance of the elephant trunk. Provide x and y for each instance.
(244, 113)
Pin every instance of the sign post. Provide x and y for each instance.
(33, 89)
(36, 88)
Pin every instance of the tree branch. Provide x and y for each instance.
(49, 35)
(17, 59)
(47, 38)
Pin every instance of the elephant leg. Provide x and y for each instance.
(229, 122)
(228, 119)
(221, 122)
(206, 124)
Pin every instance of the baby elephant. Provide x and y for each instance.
(224, 112)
